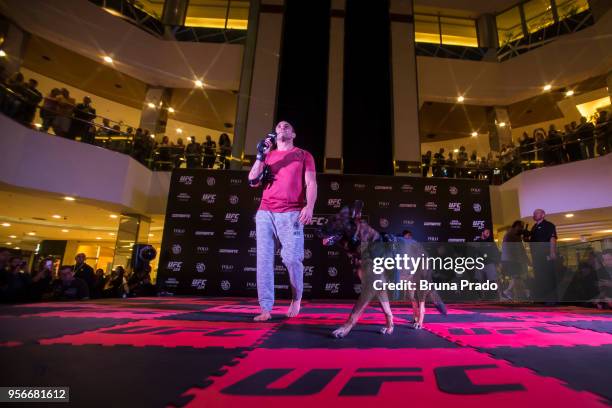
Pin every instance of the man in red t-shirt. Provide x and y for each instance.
(288, 199)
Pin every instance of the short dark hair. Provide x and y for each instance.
(517, 222)
(61, 268)
(406, 231)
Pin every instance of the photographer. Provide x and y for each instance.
(287, 203)
(41, 279)
(140, 283)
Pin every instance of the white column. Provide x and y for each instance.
(262, 103)
(406, 139)
(333, 133)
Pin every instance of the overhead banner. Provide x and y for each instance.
(209, 248)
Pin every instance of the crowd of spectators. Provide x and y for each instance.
(578, 141)
(63, 116)
(47, 281)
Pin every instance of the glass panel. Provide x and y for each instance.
(459, 31)
(427, 29)
(213, 14)
(509, 26)
(538, 15)
(569, 8)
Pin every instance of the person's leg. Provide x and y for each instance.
(291, 236)
(265, 263)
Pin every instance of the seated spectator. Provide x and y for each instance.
(14, 281)
(225, 150)
(210, 148)
(116, 285)
(193, 154)
(83, 116)
(69, 287)
(140, 283)
(48, 112)
(99, 283)
(41, 279)
(63, 119)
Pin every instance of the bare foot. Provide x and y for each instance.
(262, 317)
(294, 308)
(388, 329)
(342, 331)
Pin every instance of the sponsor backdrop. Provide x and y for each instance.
(209, 245)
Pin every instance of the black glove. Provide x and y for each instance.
(262, 146)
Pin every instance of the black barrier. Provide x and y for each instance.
(209, 245)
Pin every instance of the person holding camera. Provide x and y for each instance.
(290, 190)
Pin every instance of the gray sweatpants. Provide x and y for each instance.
(290, 232)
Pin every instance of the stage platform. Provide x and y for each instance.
(204, 352)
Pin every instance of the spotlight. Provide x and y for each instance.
(2, 53)
(151, 105)
(170, 109)
(474, 134)
(460, 98)
(107, 59)
(570, 215)
(68, 198)
(198, 83)
(569, 93)
(547, 87)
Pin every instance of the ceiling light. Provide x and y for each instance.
(98, 237)
(2, 53)
(68, 198)
(152, 136)
(568, 239)
(502, 124)
(6, 224)
(56, 216)
(107, 59)
(179, 130)
(198, 83)
(150, 235)
(456, 151)
(570, 215)
(151, 105)
(474, 134)
(170, 109)
(113, 216)
(31, 233)
(606, 231)
(460, 98)
(569, 93)
(9, 243)
(37, 125)
(12, 236)
(112, 234)
(16, 248)
(65, 230)
(547, 87)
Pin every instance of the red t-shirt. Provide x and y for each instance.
(287, 190)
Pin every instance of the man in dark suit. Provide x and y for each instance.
(84, 271)
(543, 243)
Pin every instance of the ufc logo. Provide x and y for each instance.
(320, 221)
(365, 382)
